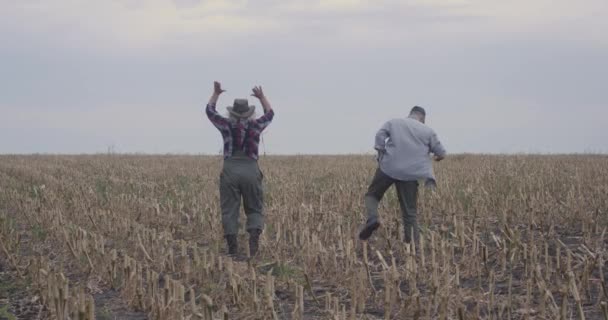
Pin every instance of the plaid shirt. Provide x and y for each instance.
(239, 134)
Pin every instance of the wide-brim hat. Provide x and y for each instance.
(241, 108)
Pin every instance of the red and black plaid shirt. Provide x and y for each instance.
(239, 134)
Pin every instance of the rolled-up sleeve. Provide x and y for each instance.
(265, 120)
(216, 119)
(435, 146)
(381, 136)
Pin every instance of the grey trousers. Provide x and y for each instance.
(241, 178)
(407, 192)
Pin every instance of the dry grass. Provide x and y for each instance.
(504, 237)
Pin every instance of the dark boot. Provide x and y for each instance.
(369, 228)
(254, 241)
(233, 245)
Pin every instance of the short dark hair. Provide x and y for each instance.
(418, 109)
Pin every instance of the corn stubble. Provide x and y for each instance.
(503, 237)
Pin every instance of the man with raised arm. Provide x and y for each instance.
(241, 177)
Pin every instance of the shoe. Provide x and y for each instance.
(254, 241)
(369, 228)
(233, 245)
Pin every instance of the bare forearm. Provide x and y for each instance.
(265, 104)
(213, 99)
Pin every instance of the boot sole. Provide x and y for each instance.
(368, 230)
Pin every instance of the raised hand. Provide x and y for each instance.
(217, 91)
(217, 88)
(257, 92)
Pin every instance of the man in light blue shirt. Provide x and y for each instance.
(403, 147)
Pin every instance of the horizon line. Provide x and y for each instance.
(187, 154)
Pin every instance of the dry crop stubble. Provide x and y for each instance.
(502, 237)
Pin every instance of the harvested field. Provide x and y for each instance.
(139, 237)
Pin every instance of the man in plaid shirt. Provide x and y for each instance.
(240, 133)
(241, 177)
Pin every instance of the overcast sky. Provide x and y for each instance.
(82, 76)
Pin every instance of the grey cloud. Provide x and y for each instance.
(333, 78)
(186, 3)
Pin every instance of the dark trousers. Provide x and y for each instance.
(407, 192)
(241, 179)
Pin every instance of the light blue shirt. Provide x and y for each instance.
(404, 146)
